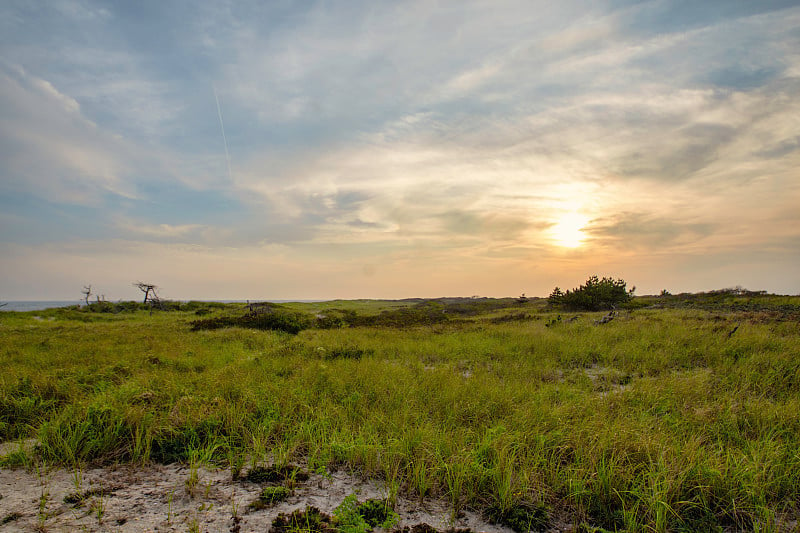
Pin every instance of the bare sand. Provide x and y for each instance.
(163, 498)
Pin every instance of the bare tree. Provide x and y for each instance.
(87, 291)
(149, 291)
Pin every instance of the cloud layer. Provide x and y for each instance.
(389, 150)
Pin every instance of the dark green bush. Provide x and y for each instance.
(595, 295)
(520, 518)
(114, 307)
(332, 320)
(422, 314)
(195, 305)
(269, 496)
(377, 513)
(419, 312)
(477, 306)
(310, 520)
(286, 321)
(161, 305)
(275, 474)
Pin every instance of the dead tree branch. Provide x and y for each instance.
(149, 291)
(87, 292)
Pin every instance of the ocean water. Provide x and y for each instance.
(36, 305)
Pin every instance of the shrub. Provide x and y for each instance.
(280, 321)
(286, 321)
(310, 520)
(521, 518)
(332, 320)
(377, 513)
(275, 474)
(269, 496)
(595, 295)
(352, 517)
(422, 314)
(348, 519)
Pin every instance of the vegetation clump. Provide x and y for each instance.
(377, 513)
(423, 314)
(269, 496)
(15, 459)
(78, 498)
(466, 307)
(347, 516)
(594, 295)
(275, 474)
(427, 528)
(352, 517)
(586, 528)
(512, 317)
(417, 312)
(310, 520)
(10, 517)
(333, 319)
(756, 304)
(521, 518)
(347, 352)
(280, 320)
(106, 307)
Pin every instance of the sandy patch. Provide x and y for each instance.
(162, 498)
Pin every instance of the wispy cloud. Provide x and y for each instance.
(49, 147)
(160, 231)
(396, 140)
(639, 230)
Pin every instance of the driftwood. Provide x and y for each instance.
(606, 319)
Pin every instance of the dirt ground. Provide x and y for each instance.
(164, 498)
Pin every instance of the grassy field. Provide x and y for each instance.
(683, 415)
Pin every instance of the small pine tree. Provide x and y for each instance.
(555, 297)
(594, 295)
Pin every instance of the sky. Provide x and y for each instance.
(387, 149)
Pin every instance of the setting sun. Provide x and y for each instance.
(262, 159)
(568, 231)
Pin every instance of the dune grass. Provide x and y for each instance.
(660, 420)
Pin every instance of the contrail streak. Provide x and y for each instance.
(222, 127)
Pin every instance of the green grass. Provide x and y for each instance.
(354, 517)
(269, 496)
(657, 421)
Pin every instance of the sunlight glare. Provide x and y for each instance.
(568, 231)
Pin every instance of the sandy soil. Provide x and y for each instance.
(161, 498)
